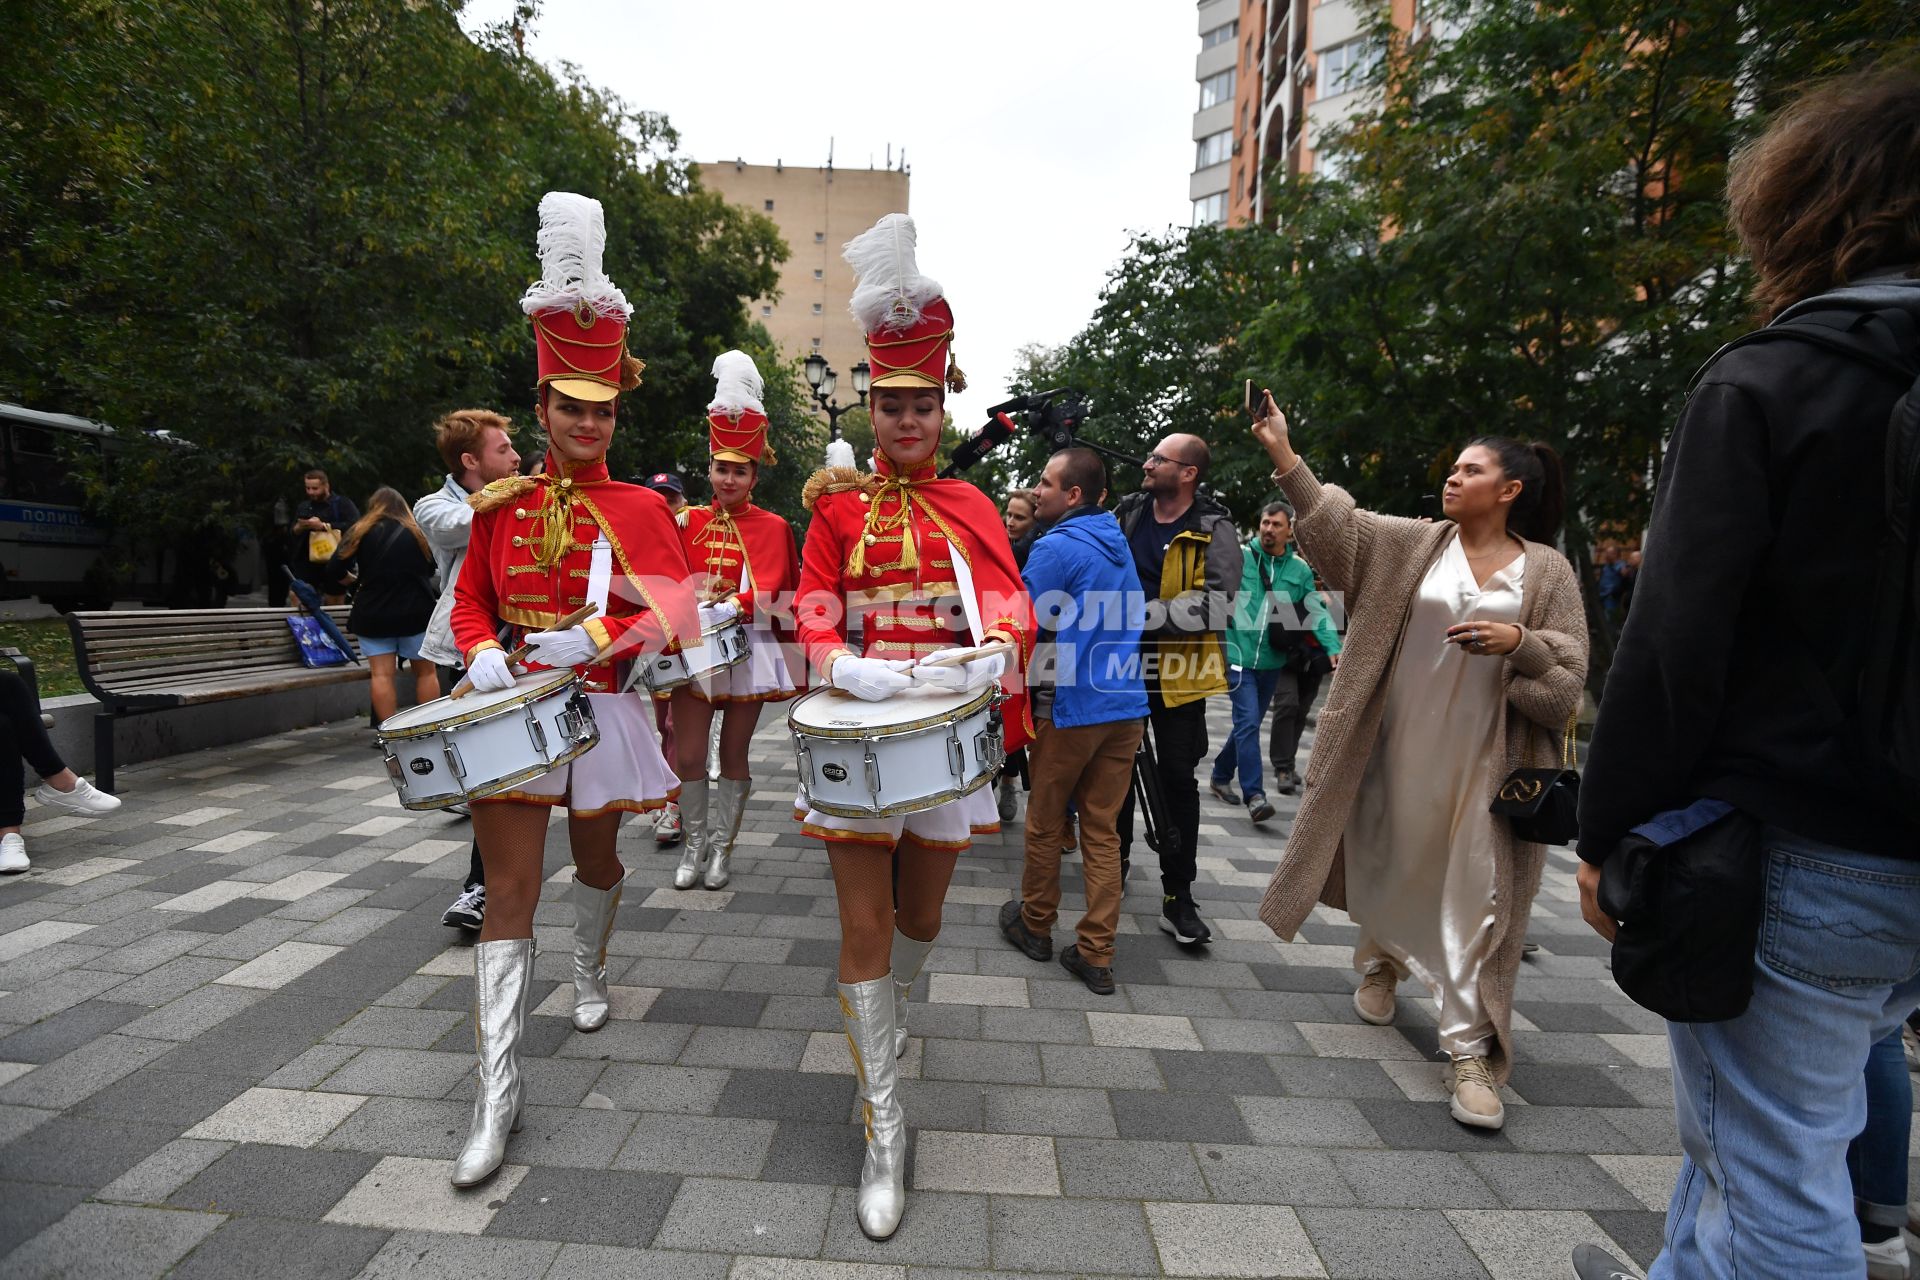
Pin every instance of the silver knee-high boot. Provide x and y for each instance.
(726, 827)
(593, 912)
(502, 976)
(693, 821)
(909, 958)
(868, 1007)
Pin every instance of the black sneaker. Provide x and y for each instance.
(1098, 977)
(1285, 782)
(1179, 917)
(1259, 808)
(1222, 792)
(1013, 927)
(469, 910)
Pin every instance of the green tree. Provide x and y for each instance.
(295, 233)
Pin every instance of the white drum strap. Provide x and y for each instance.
(600, 575)
(963, 579)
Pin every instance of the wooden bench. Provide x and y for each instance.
(141, 660)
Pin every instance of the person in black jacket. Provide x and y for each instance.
(1734, 682)
(388, 556)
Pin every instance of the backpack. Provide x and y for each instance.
(1888, 686)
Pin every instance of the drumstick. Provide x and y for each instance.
(573, 619)
(954, 657)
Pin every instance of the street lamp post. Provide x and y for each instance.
(825, 381)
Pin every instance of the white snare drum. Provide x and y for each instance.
(444, 752)
(724, 646)
(918, 749)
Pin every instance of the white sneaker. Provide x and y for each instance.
(84, 798)
(666, 828)
(13, 854)
(1888, 1260)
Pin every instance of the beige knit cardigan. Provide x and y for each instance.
(1376, 562)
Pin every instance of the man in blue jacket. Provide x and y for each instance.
(1089, 707)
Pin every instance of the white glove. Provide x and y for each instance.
(490, 672)
(562, 648)
(962, 677)
(717, 613)
(871, 679)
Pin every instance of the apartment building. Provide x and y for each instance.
(817, 210)
(1274, 76)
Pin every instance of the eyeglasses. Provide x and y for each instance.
(1161, 460)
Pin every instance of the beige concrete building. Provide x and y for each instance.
(817, 210)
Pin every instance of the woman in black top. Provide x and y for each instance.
(387, 555)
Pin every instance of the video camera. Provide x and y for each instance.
(1055, 416)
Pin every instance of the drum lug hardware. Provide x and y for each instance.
(453, 759)
(393, 769)
(806, 766)
(956, 757)
(873, 771)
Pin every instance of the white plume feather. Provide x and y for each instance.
(889, 291)
(572, 242)
(839, 454)
(737, 385)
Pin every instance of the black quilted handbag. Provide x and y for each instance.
(1543, 805)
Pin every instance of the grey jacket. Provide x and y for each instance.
(446, 519)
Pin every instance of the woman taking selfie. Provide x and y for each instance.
(1465, 658)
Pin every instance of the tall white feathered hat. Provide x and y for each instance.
(736, 420)
(904, 314)
(579, 316)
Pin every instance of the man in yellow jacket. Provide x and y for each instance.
(1188, 557)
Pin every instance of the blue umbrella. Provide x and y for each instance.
(309, 598)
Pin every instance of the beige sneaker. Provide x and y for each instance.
(1374, 1001)
(1475, 1100)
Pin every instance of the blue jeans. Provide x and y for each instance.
(1250, 690)
(1768, 1102)
(1877, 1160)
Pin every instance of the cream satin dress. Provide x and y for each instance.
(1420, 869)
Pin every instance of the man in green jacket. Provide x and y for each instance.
(1276, 585)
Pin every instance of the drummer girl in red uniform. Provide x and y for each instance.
(894, 547)
(745, 565)
(542, 546)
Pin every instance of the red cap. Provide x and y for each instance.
(920, 355)
(741, 439)
(582, 354)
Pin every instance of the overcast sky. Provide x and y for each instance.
(1040, 132)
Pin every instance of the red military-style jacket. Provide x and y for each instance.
(516, 573)
(882, 546)
(749, 544)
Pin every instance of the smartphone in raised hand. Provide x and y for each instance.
(1249, 399)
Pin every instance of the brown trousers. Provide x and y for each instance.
(1092, 765)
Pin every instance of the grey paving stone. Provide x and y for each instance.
(195, 1012)
(1272, 1175)
(1129, 1170)
(744, 1047)
(1235, 1074)
(940, 1227)
(691, 1091)
(1182, 1117)
(787, 1095)
(827, 1154)
(164, 1172)
(1081, 1113)
(64, 1032)
(707, 1008)
(948, 1105)
(101, 1240)
(1425, 1126)
(1526, 1181)
(422, 1255)
(1640, 1232)
(163, 1097)
(710, 1146)
(604, 1262)
(555, 1082)
(275, 1181)
(1413, 1180)
(251, 940)
(1233, 1034)
(1105, 1236)
(602, 1206)
(1549, 1085)
(31, 1207)
(1034, 1026)
(1100, 1067)
(1390, 1244)
(778, 1219)
(298, 1250)
(422, 1128)
(982, 1062)
(401, 1073)
(396, 1028)
(1565, 1129)
(83, 1072)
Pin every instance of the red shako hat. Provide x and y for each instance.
(579, 316)
(736, 420)
(908, 324)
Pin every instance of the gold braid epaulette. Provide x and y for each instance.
(499, 493)
(836, 480)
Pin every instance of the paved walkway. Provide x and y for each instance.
(234, 1042)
